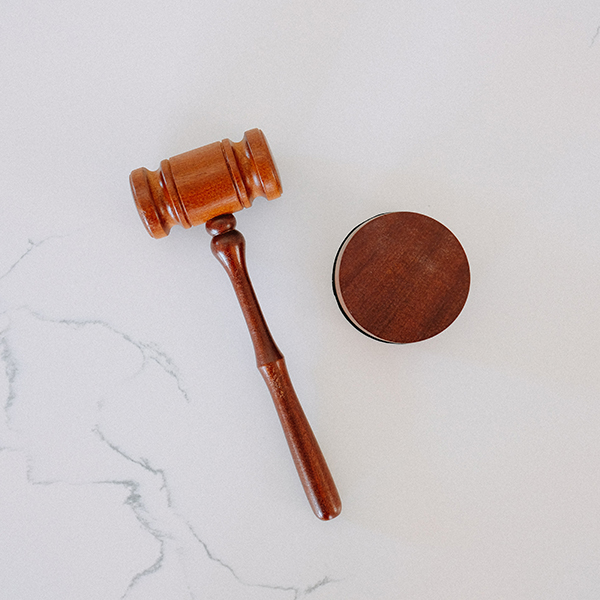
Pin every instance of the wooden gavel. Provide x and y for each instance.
(206, 185)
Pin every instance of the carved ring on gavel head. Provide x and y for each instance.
(205, 186)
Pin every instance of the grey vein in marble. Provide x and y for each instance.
(298, 592)
(153, 568)
(235, 575)
(595, 36)
(10, 368)
(142, 514)
(319, 584)
(149, 351)
(152, 507)
(11, 371)
(136, 502)
(142, 462)
(31, 245)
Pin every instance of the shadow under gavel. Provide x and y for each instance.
(206, 185)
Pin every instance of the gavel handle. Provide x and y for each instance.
(228, 246)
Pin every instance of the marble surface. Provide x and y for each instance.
(140, 454)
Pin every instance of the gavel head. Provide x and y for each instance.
(193, 187)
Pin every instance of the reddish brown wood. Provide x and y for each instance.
(228, 247)
(193, 187)
(205, 186)
(401, 277)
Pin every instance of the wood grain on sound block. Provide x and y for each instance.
(401, 277)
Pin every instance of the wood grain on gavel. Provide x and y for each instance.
(205, 186)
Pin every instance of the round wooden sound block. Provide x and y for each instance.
(401, 277)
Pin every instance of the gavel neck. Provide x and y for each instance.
(228, 246)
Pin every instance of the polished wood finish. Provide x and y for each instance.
(206, 185)
(401, 277)
(228, 246)
(193, 187)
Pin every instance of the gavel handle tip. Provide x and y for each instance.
(310, 463)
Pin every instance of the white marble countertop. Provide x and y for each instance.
(140, 454)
